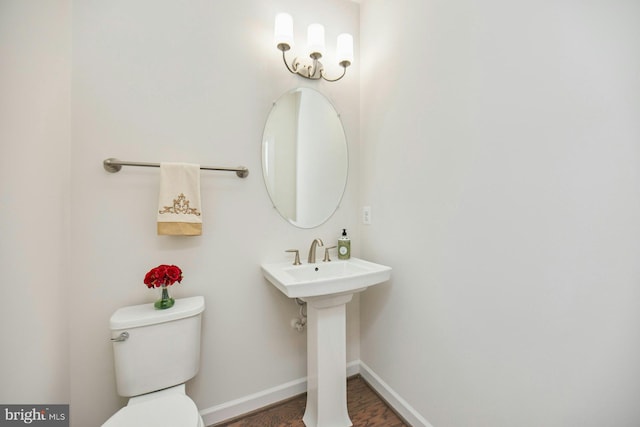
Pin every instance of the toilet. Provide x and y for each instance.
(155, 353)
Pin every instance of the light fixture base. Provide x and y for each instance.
(308, 68)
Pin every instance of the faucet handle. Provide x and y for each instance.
(326, 253)
(297, 260)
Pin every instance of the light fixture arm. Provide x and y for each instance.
(344, 71)
(284, 59)
(309, 69)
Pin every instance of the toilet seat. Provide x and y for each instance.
(170, 410)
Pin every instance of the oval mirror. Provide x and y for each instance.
(304, 157)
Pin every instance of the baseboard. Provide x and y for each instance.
(392, 398)
(253, 402)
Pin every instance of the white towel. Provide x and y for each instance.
(179, 205)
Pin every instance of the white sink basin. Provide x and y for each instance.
(325, 278)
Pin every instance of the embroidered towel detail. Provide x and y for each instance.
(179, 205)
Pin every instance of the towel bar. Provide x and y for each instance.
(114, 165)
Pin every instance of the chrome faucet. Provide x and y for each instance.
(312, 250)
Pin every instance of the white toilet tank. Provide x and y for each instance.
(162, 348)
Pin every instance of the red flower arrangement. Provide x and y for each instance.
(163, 275)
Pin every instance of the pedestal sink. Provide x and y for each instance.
(326, 287)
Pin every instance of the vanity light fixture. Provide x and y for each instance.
(311, 69)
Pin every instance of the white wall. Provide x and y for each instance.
(189, 81)
(35, 70)
(500, 155)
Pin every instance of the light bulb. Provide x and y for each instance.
(315, 40)
(344, 49)
(283, 32)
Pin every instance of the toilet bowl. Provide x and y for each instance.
(144, 339)
(165, 408)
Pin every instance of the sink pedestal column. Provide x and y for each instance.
(327, 362)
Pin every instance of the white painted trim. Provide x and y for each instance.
(353, 368)
(252, 402)
(235, 408)
(392, 398)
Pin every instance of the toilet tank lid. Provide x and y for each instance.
(146, 314)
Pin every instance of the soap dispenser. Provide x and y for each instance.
(344, 246)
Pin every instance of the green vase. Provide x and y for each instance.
(166, 301)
